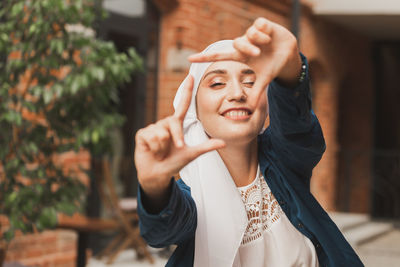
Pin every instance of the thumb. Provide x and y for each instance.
(205, 147)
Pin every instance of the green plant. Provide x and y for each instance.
(58, 92)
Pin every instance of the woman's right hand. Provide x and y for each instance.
(269, 49)
(160, 151)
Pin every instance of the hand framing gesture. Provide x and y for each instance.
(160, 150)
(268, 48)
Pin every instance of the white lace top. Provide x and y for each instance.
(270, 239)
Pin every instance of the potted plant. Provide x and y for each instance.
(58, 93)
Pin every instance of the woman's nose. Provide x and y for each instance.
(236, 92)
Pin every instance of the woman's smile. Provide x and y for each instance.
(237, 114)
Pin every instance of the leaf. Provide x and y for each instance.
(11, 198)
(17, 223)
(33, 147)
(47, 96)
(39, 189)
(47, 218)
(75, 86)
(58, 89)
(99, 74)
(41, 173)
(95, 136)
(17, 9)
(115, 68)
(13, 117)
(57, 46)
(9, 235)
(67, 208)
(32, 29)
(4, 37)
(13, 163)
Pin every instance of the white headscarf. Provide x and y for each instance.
(221, 215)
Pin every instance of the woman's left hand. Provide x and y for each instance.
(269, 49)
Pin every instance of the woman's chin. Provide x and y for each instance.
(234, 133)
(236, 138)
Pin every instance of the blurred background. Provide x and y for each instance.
(353, 49)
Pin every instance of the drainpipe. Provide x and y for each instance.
(296, 18)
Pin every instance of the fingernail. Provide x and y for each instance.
(256, 51)
(179, 143)
(191, 57)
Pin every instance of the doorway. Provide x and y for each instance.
(386, 156)
(138, 97)
(134, 24)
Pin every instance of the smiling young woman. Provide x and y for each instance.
(244, 197)
(222, 103)
(226, 114)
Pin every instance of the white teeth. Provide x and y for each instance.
(236, 113)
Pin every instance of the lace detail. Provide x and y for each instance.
(261, 206)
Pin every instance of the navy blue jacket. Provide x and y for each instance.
(288, 150)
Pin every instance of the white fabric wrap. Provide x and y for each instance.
(221, 216)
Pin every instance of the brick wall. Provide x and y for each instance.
(49, 248)
(342, 80)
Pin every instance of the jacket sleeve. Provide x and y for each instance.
(175, 224)
(294, 135)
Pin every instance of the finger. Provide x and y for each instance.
(256, 36)
(205, 147)
(140, 140)
(153, 136)
(153, 143)
(259, 86)
(184, 103)
(263, 25)
(243, 45)
(175, 128)
(164, 140)
(216, 56)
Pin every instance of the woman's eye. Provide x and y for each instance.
(216, 84)
(248, 83)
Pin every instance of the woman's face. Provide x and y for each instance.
(222, 103)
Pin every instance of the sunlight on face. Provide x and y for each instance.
(222, 103)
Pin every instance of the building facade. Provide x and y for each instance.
(354, 86)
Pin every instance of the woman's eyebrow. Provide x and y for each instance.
(247, 71)
(217, 71)
(222, 71)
